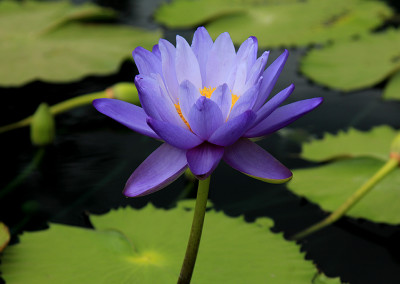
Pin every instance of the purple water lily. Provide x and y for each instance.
(205, 101)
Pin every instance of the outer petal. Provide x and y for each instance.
(168, 67)
(186, 64)
(203, 159)
(174, 135)
(201, 46)
(125, 113)
(205, 117)
(248, 51)
(188, 95)
(271, 75)
(245, 101)
(283, 116)
(156, 51)
(223, 98)
(221, 58)
(161, 168)
(146, 61)
(256, 70)
(229, 132)
(155, 102)
(273, 104)
(252, 160)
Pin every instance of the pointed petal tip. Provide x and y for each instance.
(274, 181)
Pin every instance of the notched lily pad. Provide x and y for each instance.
(330, 185)
(56, 41)
(352, 143)
(148, 245)
(355, 64)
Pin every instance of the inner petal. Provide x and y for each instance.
(205, 92)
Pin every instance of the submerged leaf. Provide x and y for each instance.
(56, 41)
(353, 143)
(148, 245)
(355, 64)
(330, 185)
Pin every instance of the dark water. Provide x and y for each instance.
(86, 167)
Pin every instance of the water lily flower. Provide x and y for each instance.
(205, 101)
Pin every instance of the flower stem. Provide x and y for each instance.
(195, 233)
(57, 109)
(390, 165)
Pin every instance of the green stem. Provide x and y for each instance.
(57, 109)
(195, 233)
(390, 165)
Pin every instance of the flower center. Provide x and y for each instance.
(205, 92)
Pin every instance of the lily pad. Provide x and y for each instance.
(4, 236)
(392, 89)
(148, 245)
(353, 143)
(272, 22)
(330, 185)
(316, 21)
(355, 64)
(59, 42)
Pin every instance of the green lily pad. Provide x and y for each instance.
(273, 22)
(353, 143)
(356, 64)
(330, 185)
(4, 236)
(148, 246)
(59, 42)
(392, 89)
(316, 21)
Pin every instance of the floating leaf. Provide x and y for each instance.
(353, 143)
(148, 245)
(56, 41)
(355, 64)
(184, 14)
(323, 279)
(4, 236)
(273, 22)
(330, 185)
(392, 89)
(302, 23)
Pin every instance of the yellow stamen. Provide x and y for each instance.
(206, 92)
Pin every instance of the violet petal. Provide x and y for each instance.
(174, 135)
(250, 159)
(283, 116)
(146, 61)
(125, 113)
(273, 104)
(161, 168)
(220, 59)
(201, 46)
(186, 64)
(270, 76)
(203, 159)
(229, 132)
(205, 117)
